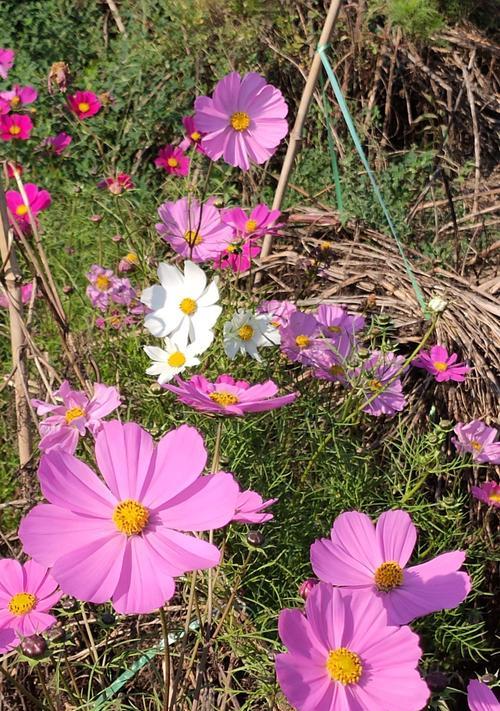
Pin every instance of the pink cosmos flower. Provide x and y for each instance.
(280, 311)
(70, 420)
(299, 338)
(339, 326)
(38, 200)
(103, 283)
(127, 537)
(479, 440)
(173, 160)
(250, 507)
(6, 61)
(480, 697)
(331, 360)
(128, 262)
(27, 593)
(489, 492)
(116, 185)
(195, 231)
(19, 96)
(84, 104)
(373, 559)
(244, 121)
(443, 366)
(376, 375)
(343, 656)
(26, 292)
(259, 222)
(227, 396)
(237, 256)
(192, 135)
(15, 127)
(4, 107)
(58, 143)
(123, 293)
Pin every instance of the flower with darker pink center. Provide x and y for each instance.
(243, 121)
(127, 536)
(441, 365)
(480, 697)
(19, 96)
(192, 137)
(37, 200)
(173, 160)
(15, 127)
(228, 396)
(478, 439)
(360, 556)
(84, 104)
(27, 594)
(488, 492)
(343, 656)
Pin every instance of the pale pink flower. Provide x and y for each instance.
(377, 378)
(479, 440)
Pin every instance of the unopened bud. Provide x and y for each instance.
(306, 587)
(437, 305)
(34, 646)
(255, 538)
(436, 681)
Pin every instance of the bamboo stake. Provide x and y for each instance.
(12, 277)
(296, 133)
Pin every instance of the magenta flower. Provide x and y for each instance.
(37, 201)
(4, 107)
(173, 160)
(19, 96)
(116, 185)
(6, 61)
(377, 378)
(192, 135)
(488, 492)
(15, 127)
(227, 396)
(250, 508)
(58, 143)
(442, 366)
(237, 256)
(373, 559)
(343, 656)
(195, 231)
(259, 222)
(70, 420)
(480, 697)
(280, 311)
(84, 104)
(479, 440)
(26, 292)
(127, 537)
(27, 593)
(299, 338)
(244, 121)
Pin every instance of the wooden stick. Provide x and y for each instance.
(296, 134)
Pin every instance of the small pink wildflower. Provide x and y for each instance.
(128, 262)
(244, 120)
(26, 292)
(259, 222)
(480, 697)
(488, 492)
(101, 287)
(27, 594)
(15, 127)
(37, 201)
(442, 365)
(339, 326)
(479, 440)
(360, 556)
(299, 338)
(250, 508)
(19, 96)
(192, 135)
(173, 160)
(58, 143)
(376, 378)
(6, 61)
(116, 185)
(193, 230)
(330, 360)
(227, 396)
(84, 104)
(70, 420)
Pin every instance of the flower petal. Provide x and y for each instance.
(396, 536)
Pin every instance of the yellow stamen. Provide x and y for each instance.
(195, 136)
(83, 106)
(15, 101)
(375, 385)
(223, 398)
(22, 603)
(21, 210)
(172, 162)
(73, 413)
(476, 445)
(334, 329)
(177, 359)
(130, 517)
(102, 282)
(240, 121)
(302, 341)
(188, 306)
(132, 258)
(388, 576)
(440, 366)
(15, 130)
(494, 497)
(344, 666)
(193, 238)
(245, 332)
(251, 225)
(231, 248)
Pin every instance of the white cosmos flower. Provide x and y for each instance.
(176, 356)
(246, 333)
(181, 304)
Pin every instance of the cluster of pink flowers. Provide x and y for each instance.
(14, 126)
(114, 296)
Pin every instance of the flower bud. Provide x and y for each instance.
(437, 305)
(306, 587)
(255, 538)
(34, 647)
(436, 681)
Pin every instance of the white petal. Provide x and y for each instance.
(156, 353)
(231, 348)
(194, 279)
(154, 297)
(155, 369)
(210, 295)
(170, 277)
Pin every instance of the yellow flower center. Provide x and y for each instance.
(375, 385)
(132, 258)
(22, 603)
(15, 101)
(195, 136)
(476, 445)
(231, 248)
(302, 341)
(172, 162)
(177, 359)
(193, 238)
(240, 120)
(325, 245)
(388, 576)
(250, 225)
(494, 497)
(73, 413)
(344, 666)
(115, 320)
(440, 366)
(334, 329)
(223, 398)
(245, 332)
(337, 370)
(102, 282)
(130, 517)
(15, 130)
(83, 106)
(188, 306)
(21, 210)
